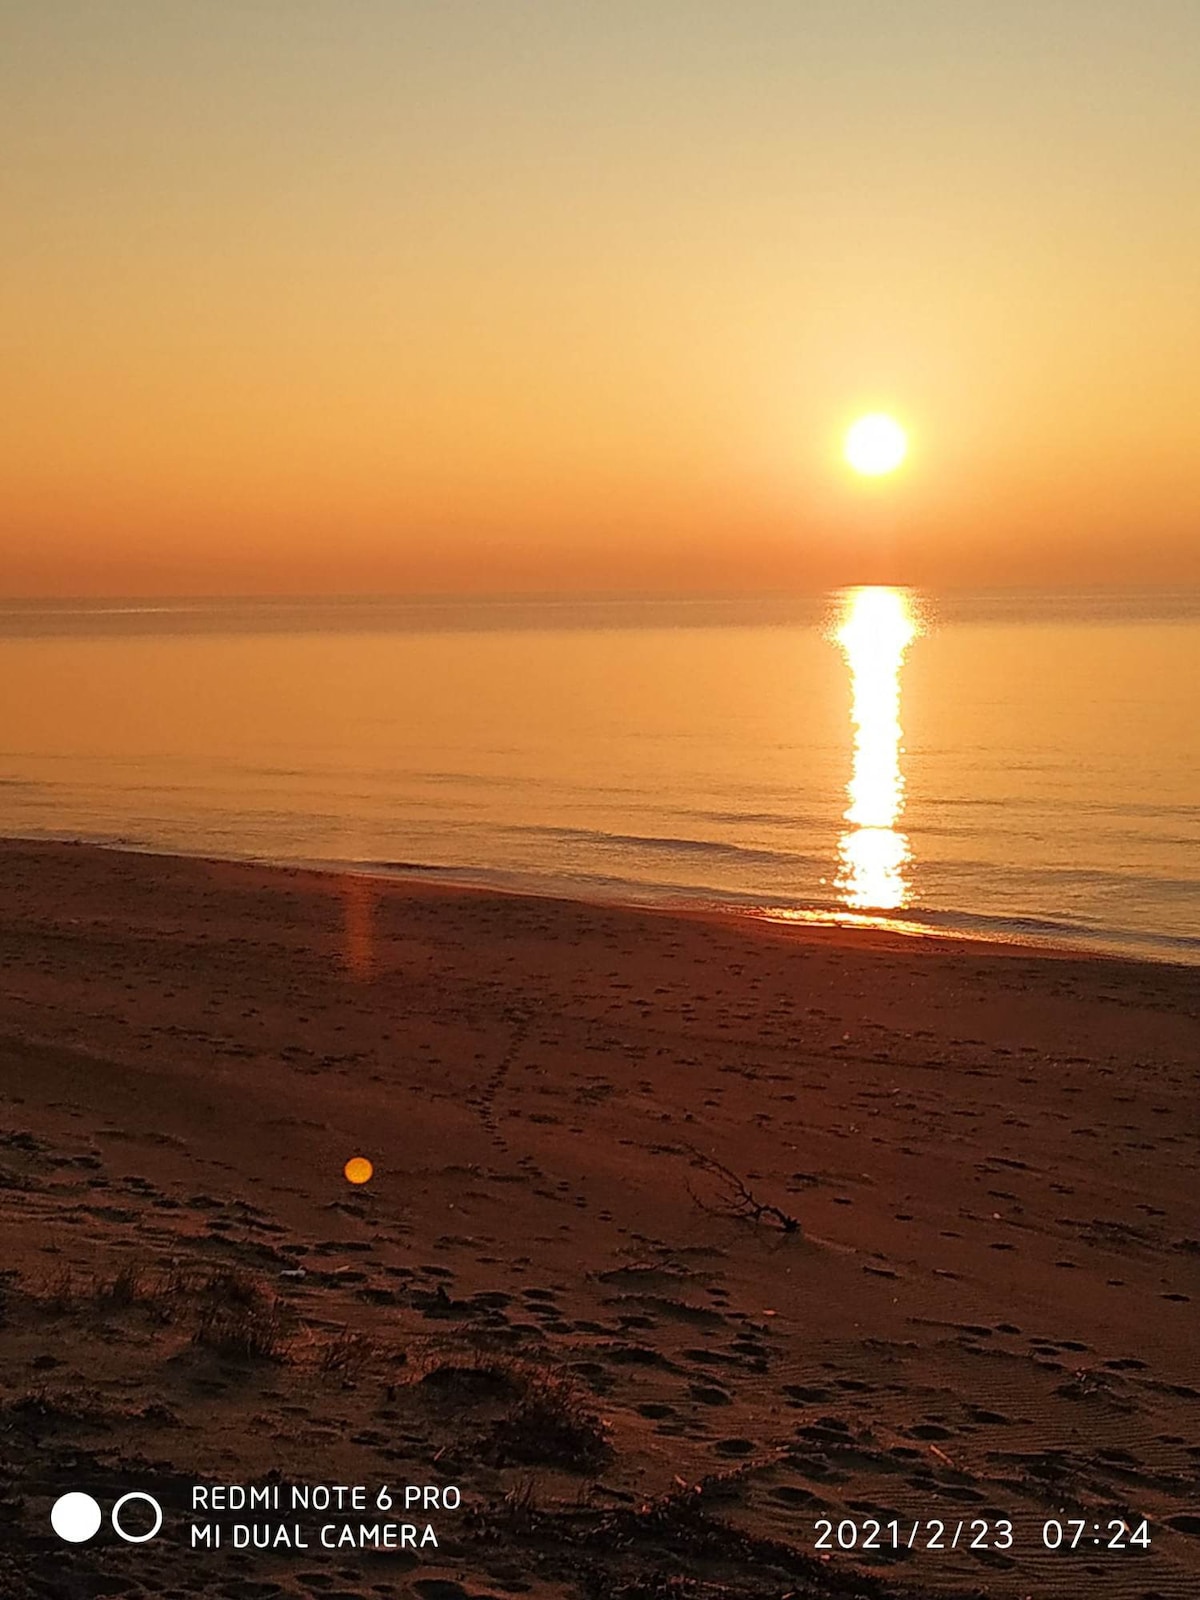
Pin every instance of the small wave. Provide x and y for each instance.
(714, 849)
(1053, 933)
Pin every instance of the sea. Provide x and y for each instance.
(1021, 766)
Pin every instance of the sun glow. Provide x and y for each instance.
(876, 628)
(876, 444)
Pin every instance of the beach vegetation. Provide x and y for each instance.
(550, 1424)
(731, 1196)
(345, 1356)
(255, 1332)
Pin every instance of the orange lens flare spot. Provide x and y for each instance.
(358, 1170)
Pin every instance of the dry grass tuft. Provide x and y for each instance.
(550, 1425)
(129, 1286)
(346, 1356)
(226, 1286)
(528, 1416)
(243, 1332)
(61, 1293)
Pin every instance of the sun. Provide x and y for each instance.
(875, 444)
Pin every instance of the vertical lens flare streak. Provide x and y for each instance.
(877, 626)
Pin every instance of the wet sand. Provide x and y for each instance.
(686, 1233)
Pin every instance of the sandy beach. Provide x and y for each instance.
(688, 1235)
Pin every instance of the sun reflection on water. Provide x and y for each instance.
(876, 627)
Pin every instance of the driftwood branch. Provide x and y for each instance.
(734, 1197)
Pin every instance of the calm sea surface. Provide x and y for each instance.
(1014, 766)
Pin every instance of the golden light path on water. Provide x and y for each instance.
(876, 627)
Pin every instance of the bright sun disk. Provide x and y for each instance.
(876, 444)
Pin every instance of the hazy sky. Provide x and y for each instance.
(360, 295)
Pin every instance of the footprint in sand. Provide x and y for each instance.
(636, 1355)
(801, 1394)
(790, 1494)
(994, 1419)
(709, 1394)
(929, 1430)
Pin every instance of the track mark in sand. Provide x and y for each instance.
(522, 1021)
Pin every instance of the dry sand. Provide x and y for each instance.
(545, 1295)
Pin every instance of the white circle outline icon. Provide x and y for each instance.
(137, 1538)
(75, 1517)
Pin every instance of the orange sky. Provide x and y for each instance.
(549, 296)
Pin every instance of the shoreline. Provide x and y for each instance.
(698, 904)
(963, 1284)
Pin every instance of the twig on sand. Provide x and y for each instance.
(735, 1197)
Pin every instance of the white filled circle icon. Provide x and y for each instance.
(75, 1517)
